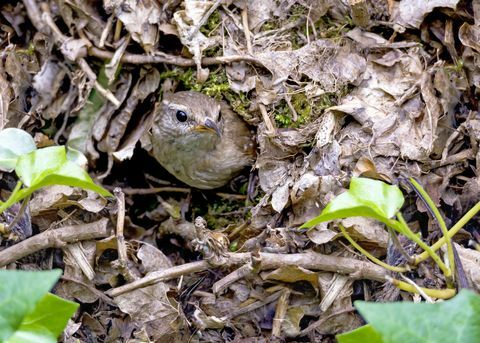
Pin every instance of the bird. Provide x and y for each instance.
(199, 140)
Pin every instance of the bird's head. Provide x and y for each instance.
(190, 115)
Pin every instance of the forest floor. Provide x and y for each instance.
(385, 90)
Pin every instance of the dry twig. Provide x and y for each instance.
(57, 238)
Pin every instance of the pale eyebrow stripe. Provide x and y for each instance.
(173, 106)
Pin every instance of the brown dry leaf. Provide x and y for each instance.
(292, 274)
(74, 290)
(5, 98)
(93, 202)
(152, 258)
(323, 61)
(291, 322)
(366, 167)
(151, 308)
(367, 231)
(188, 22)
(471, 264)
(321, 234)
(410, 13)
(304, 197)
(141, 19)
(49, 198)
(147, 84)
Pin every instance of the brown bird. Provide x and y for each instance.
(201, 141)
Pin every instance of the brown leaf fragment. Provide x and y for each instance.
(151, 308)
(292, 274)
(141, 19)
(410, 13)
(5, 98)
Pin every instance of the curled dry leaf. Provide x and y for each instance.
(151, 308)
(410, 13)
(141, 19)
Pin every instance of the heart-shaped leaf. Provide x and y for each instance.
(28, 313)
(452, 321)
(13, 144)
(365, 198)
(50, 166)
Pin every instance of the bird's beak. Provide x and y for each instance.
(209, 125)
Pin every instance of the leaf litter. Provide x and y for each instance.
(331, 91)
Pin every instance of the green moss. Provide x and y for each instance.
(303, 107)
(307, 109)
(29, 51)
(216, 218)
(327, 28)
(216, 86)
(213, 23)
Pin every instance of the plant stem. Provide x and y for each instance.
(435, 293)
(411, 235)
(429, 202)
(368, 255)
(453, 231)
(12, 199)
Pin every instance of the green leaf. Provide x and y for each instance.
(451, 321)
(362, 334)
(14, 143)
(50, 166)
(46, 322)
(20, 291)
(365, 198)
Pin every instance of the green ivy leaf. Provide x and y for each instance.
(20, 292)
(453, 321)
(365, 198)
(50, 166)
(14, 143)
(46, 322)
(362, 334)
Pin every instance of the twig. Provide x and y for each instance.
(280, 311)
(308, 260)
(144, 191)
(266, 119)
(42, 22)
(121, 247)
(254, 306)
(418, 288)
(92, 289)
(319, 322)
(105, 32)
(246, 29)
(57, 238)
(76, 253)
(160, 57)
(234, 276)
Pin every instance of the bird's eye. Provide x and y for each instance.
(181, 116)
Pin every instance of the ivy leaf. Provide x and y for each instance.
(50, 166)
(364, 333)
(13, 144)
(453, 321)
(365, 198)
(45, 322)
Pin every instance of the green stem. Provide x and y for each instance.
(436, 293)
(411, 235)
(12, 199)
(368, 255)
(441, 222)
(452, 232)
